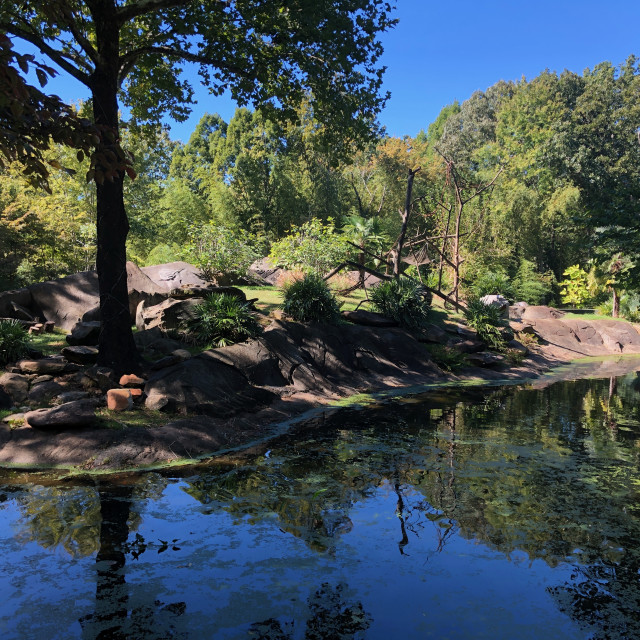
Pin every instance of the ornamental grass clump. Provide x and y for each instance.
(309, 299)
(403, 300)
(14, 341)
(486, 320)
(221, 320)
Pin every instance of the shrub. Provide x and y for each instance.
(220, 251)
(313, 247)
(486, 320)
(403, 300)
(14, 341)
(577, 288)
(531, 286)
(492, 283)
(221, 320)
(309, 299)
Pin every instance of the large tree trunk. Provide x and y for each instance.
(116, 347)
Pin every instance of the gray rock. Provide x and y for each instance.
(169, 315)
(39, 379)
(54, 366)
(468, 346)
(174, 275)
(71, 396)
(541, 312)
(15, 385)
(71, 415)
(102, 377)
(80, 354)
(431, 333)
(84, 334)
(44, 391)
(156, 402)
(498, 301)
(485, 359)
(368, 319)
(16, 418)
(205, 385)
(21, 313)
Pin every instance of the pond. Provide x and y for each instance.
(511, 513)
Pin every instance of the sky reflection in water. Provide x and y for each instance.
(513, 515)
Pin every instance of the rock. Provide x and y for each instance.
(181, 354)
(431, 333)
(152, 343)
(71, 415)
(497, 301)
(21, 297)
(53, 366)
(65, 300)
(131, 380)
(541, 312)
(44, 391)
(6, 402)
(102, 377)
(167, 361)
(169, 315)
(80, 354)
(14, 418)
(205, 385)
(71, 396)
(254, 360)
(15, 385)
(19, 312)
(39, 379)
(468, 346)
(265, 271)
(485, 359)
(141, 288)
(517, 346)
(119, 399)
(173, 275)
(84, 334)
(36, 329)
(49, 326)
(156, 402)
(368, 318)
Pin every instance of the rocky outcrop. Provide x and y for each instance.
(175, 275)
(576, 335)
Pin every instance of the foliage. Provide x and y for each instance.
(532, 287)
(448, 358)
(576, 288)
(492, 283)
(220, 251)
(314, 247)
(403, 300)
(221, 320)
(14, 341)
(486, 320)
(310, 299)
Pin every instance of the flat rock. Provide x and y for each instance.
(71, 415)
(80, 354)
(541, 312)
(485, 359)
(368, 318)
(84, 334)
(71, 396)
(15, 385)
(44, 366)
(44, 391)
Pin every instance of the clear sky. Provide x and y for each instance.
(443, 51)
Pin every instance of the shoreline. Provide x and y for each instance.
(185, 441)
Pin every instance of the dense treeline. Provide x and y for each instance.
(530, 187)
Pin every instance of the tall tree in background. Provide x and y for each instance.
(271, 53)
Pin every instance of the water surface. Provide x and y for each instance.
(512, 514)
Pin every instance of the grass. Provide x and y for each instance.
(592, 316)
(136, 417)
(49, 343)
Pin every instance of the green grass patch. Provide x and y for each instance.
(269, 298)
(137, 417)
(49, 343)
(592, 316)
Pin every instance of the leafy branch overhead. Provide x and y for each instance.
(31, 120)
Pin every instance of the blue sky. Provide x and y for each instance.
(442, 51)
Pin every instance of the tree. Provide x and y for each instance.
(271, 53)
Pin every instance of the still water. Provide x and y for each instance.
(514, 513)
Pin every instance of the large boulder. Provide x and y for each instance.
(206, 385)
(71, 415)
(497, 301)
(15, 385)
(175, 275)
(169, 315)
(540, 312)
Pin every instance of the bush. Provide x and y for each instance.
(403, 300)
(492, 283)
(313, 247)
(309, 299)
(221, 251)
(221, 320)
(578, 287)
(531, 286)
(486, 320)
(14, 341)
